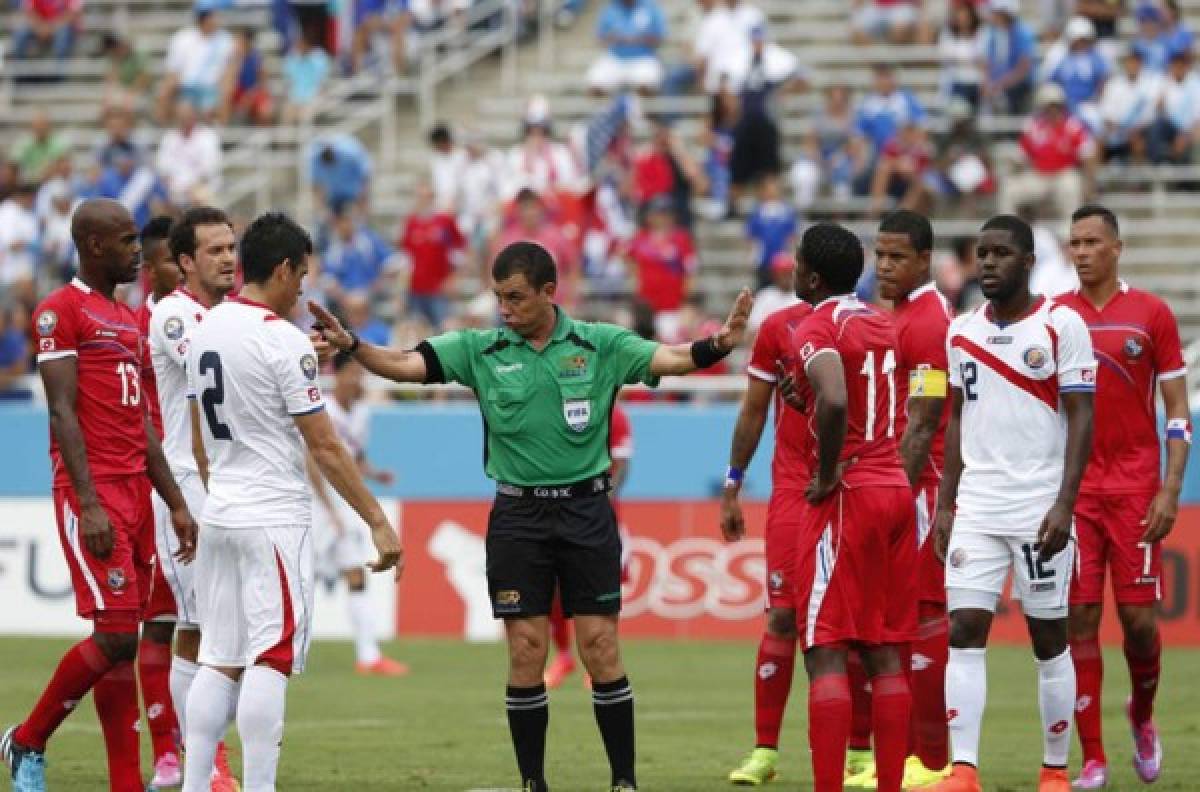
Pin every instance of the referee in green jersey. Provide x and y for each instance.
(546, 385)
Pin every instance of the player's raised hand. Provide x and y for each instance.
(734, 330)
(733, 522)
(1160, 518)
(943, 522)
(387, 544)
(186, 530)
(1055, 531)
(97, 530)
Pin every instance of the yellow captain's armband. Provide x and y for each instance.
(926, 383)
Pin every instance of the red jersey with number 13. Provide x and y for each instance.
(102, 334)
(791, 465)
(864, 338)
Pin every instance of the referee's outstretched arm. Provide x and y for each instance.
(395, 364)
(678, 359)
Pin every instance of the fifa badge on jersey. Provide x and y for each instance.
(1035, 357)
(173, 328)
(116, 579)
(1133, 347)
(578, 413)
(46, 322)
(308, 364)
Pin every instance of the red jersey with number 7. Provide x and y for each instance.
(102, 334)
(792, 463)
(865, 339)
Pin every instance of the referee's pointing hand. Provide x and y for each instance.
(327, 332)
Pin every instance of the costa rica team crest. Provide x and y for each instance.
(47, 321)
(1035, 357)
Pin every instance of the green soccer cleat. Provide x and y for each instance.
(859, 760)
(918, 776)
(863, 779)
(757, 768)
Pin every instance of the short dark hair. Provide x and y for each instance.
(440, 134)
(182, 239)
(834, 253)
(269, 241)
(1021, 232)
(158, 229)
(915, 226)
(1096, 210)
(527, 194)
(525, 258)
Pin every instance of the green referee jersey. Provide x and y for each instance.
(546, 414)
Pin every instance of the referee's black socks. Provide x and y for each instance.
(528, 715)
(613, 704)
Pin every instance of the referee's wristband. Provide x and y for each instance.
(705, 352)
(355, 343)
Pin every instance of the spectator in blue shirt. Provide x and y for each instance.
(882, 113)
(632, 30)
(355, 307)
(770, 226)
(1010, 49)
(1176, 31)
(1151, 40)
(305, 70)
(341, 170)
(1082, 71)
(14, 353)
(355, 257)
(136, 186)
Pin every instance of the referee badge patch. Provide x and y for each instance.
(578, 413)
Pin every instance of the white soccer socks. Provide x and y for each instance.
(210, 707)
(260, 709)
(966, 697)
(183, 671)
(1056, 700)
(363, 625)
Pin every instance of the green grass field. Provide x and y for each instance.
(443, 727)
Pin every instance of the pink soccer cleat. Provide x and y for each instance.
(1147, 748)
(167, 772)
(1093, 776)
(561, 667)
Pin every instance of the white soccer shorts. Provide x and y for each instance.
(978, 562)
(254, 587)
(179, 577)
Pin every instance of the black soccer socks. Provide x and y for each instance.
(613, 704)
(528, 716)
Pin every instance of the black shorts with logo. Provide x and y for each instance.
(535, 545)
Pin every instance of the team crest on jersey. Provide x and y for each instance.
(1035, 357)
(173, 328)
(46, 322)
(116, 579)
(308, 364)
(1133, 347)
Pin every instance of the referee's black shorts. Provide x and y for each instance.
(535, 545)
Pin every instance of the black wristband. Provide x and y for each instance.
(354, 344)
(705, 352)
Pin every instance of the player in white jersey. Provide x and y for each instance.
(252, 377)
(1023, 376)
(342, 540)
(203, 245)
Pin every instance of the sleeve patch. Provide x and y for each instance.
(173, 328)
(308, 365)
(47, 321)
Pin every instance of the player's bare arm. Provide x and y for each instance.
(322, 494)
(680, 359)
(1160, 518)
(1056, 525)
(746, 433)
(339, 469)
(952, 469)
(198, 451)
(924, 414)
(60, 378)
(828, 380)
(163, 480)
(394, 364)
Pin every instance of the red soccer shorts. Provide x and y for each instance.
(931, 573)
(854, 569)
(1109, 532)
(116, 587)
(785, 516)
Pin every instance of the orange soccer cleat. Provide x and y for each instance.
(1054, 779)
(963, 778)
(384, 666)
(223, 779)
(561, 667)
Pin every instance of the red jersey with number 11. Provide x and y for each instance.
(864, 338)
(792, 463)
(102, 334)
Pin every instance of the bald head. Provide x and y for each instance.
(107, 240)
(97, 217)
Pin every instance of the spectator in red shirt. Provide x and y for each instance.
(666, 169)
(430, 239)
(1058, 154)
(899, 173)
(532, 223)
(48, 24)
(662, 258)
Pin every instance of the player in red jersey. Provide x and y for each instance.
(857, 547)
(154, 650)
(103, 448)
(620, 449)
(922, 316)
(790, 471)
(1124, 509)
